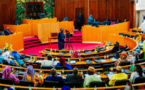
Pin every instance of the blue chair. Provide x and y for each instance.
(17, 22)
(42, 15)
(27, 17)
(106, 23)
(65, 19)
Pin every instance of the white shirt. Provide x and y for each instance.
(142, 26)
(132, 60)
(48, 63)
(134, 75)
(6, 56)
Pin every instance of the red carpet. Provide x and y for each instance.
(76, 46)
(33, 45)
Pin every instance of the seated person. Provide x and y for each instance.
(132, 59)
(63, 63)
(1, 57)
(91, 77)
(7, 32)
(74, 77)
(17, 61)
(97, 49)
(48, 62)
(112, 22)
(123, 58)
(54, 77)
(7, 75)
(119, 76)
(29, 75)
(7, 56)
(90, 20)
(116, 47)
(75, 55)
(138, 73)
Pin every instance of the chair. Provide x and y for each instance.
(26, 83)
(1, 33)
(140, 31)
(124, 63)
(98, 66)
(121, 82)
(97, 84)
(65, 19)
(140, 61)
(23, 56)
(88, 59)
(27, 17)
(42, 15)
(47, 67)
(6, 81)
(121, 34)
(17, 22)
(108, 65)
(134, 31)
(106, 23)
(19, 69)
(51, 83)
(72, 84)
(60, 67)
(5, 62)
(39, 58)
(132, 36)
(127, 35)
(139, 80)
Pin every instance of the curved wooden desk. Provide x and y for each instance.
(16, 40)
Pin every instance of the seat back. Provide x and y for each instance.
(51, 83)
(122, 82)
(39, 58)
(140, 80)
(72, 84)
(6, 81)
(26, 83)
(124, 63)
(127, 35)
(27, 17)
(97, 84)
(42, 15)
(47, 67)
(1, 33)
(60, 67)
(134, 31)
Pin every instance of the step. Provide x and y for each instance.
(30, 39)
(75, 41)
(31, 42)
(32, 45)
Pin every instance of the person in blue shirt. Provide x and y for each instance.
(80, 21)
(1, 57)
(90, 20)
(7, 32)
(54, 77)
(61, 39)
(17, 61)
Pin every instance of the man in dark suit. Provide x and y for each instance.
(74, 77)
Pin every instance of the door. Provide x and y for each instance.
(78, 12)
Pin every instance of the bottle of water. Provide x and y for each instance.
(74, 88)
(56, 58)
(122, 70)
(111, 69)
(68, 59)
(95, 88)
(30, 87)
(79, 59)
(63, 71)
(40, 70)
(53, 87)
(127, 87)
(13, 87)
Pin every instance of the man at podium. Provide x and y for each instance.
(61, 39)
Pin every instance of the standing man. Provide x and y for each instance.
(61, 39)
(80, 21)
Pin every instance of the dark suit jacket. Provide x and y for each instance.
(73, 78)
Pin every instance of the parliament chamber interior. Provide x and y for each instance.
(72, 45)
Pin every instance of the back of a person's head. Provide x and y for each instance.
(75, 71)
(91, 70)
(53, 72)
(49, 57)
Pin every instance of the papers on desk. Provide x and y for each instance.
(61, 53)
(102, 60)
(88, 52)
(113, 59)
(72, 62)
(110, 75)
(88, 61)
(39, 61)
(46, 51)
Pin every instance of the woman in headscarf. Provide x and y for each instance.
(75, 55)
(123, 58)
(29, 75)
(1, 57)
(7, 75)
(90, 20)
(113, 22)
(17, 61)
(63, 63)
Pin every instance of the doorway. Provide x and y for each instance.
(78, 12)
